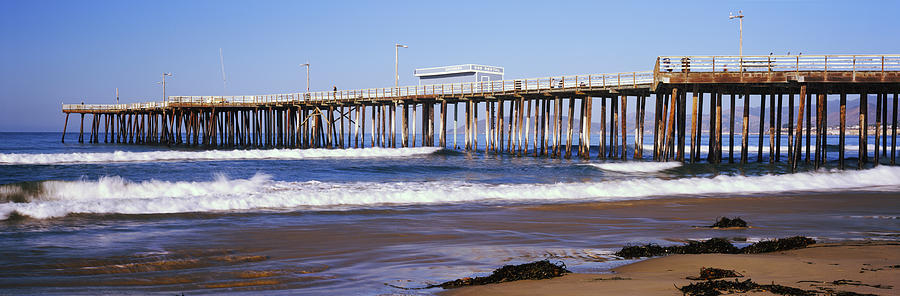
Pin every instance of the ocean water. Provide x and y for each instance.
(136, 219)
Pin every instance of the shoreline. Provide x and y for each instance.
(866, 267)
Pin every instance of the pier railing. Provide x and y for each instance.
(629, 79)
(586, 81)
(779, 63)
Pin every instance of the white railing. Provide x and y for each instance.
(778, 63)
(628, 79)
(113, 107)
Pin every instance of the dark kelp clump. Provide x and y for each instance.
(782, 244)
(718, 287)
(715, 246)
(529, 271)
(710, 273)
(710, 246)
(725, 222)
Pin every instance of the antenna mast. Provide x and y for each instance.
(222, 62)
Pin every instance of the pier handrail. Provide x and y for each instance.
(628, 79)
(497, 87)
(778, 63)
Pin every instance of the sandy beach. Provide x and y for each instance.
(861, 267)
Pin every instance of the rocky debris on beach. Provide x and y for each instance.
(715, 245)
(783, 244)
(537, 270)
(726, 222)
(719, 287)
(711, 273)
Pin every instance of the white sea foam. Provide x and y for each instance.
(636, 166)
(209, 155)
(753, 148)
(115, 195)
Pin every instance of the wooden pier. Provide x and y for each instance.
(533, 116)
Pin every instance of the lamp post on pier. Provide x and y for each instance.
(740, 17)
(396, 66)
(165, 99)
(307, 75)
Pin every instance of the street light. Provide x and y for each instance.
(307, 75)
(396, 63)
(165, 99)
(740, 17)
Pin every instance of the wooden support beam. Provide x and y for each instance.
(614, 128)
(66, 124)
(824, 127)
(638, 126)
(81, 130)
(584, 141)
(772, 109)
(790, 123)
(475, 125)
(557, 132)
(745, 133)
(663, 119)
(624, 123)
(762, 125)
(468, 118)
(455, 123)
(718, 123)
(570, 128)
(527, 117)
(521, 129)
(843, 130)
(894, 132)
(545, 125)
(694, 137)
(808, 125)
(670, 130)
(443, 124)
(640, 132)
(863, 128)
(878, 100)
(404, 124)
(602, 148)
(682, 125)
(797, 146)
(732, 108)
(884, 115)
(818, 160)
(779, 111)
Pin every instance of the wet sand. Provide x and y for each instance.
(871, 267)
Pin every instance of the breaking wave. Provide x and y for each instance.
(210, 155)
(116, 195)
(636, 166)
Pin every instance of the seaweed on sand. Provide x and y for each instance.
(716, 246)
(718, 287)
(782, 244)
(711, 273)
(537, 270)
(726, 222)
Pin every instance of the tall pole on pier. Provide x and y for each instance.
(307, 75)
(164, 85)
(396, 65)
(740, 17)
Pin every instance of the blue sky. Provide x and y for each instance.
(69, 51)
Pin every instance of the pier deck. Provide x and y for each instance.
(523, 114)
